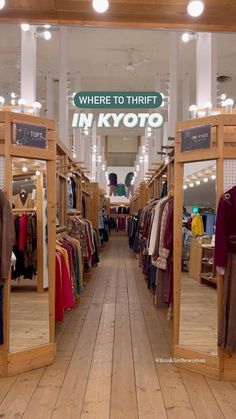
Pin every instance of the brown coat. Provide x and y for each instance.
(7, 236)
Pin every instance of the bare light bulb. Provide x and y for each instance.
(36, 107)
(193, 111)
(47, 35)
(229, 103)
(185, 37)
(2, 101)
(195, 8)
(100, 6)
(25, 27)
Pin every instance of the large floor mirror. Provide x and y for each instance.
(198, 288)
(29, 297)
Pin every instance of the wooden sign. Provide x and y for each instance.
(28, 135)
(196, 138)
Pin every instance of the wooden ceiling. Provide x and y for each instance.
(219, 15)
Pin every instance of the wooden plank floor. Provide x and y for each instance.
(105, 364)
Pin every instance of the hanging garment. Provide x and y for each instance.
(71, 193)
(7, 236)
(1, 316)
(112, 179)
(155, 233)
(128, 179)
(121, 191)
(25, 248)
(23, 200)
(225, 257)
(197, 225)
(186, 243)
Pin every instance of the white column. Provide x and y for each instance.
(186, 97)
(50, 98)
(79, 148)
(206, 69)
(94, 152)
(99, 163)
(173, 74)
(158, 132)
(28, 65)
(63, 105)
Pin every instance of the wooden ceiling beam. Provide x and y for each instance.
(149, 14)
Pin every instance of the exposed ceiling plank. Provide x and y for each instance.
(159, 14)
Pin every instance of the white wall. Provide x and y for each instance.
(121, 175)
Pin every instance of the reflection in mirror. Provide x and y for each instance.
(29, 299)
(198, 300)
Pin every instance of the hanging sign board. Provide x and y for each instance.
(196, 138)
(28, 135)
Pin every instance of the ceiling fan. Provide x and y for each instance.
(131, 66)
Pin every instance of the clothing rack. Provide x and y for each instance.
(61, 230)
(24, 210)
(74, 212)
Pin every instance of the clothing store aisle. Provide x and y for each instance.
(105, 365)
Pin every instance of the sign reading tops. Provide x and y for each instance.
(118, 100)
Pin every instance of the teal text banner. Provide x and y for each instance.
(117, 100)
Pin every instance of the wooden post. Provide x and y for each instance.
(39, 206)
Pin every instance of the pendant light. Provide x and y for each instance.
(195, 8)
(100, 6)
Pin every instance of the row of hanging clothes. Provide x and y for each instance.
(69, 274)
(25, 247)
(81, 229)
(151, 233)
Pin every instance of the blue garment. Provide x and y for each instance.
(210, 223)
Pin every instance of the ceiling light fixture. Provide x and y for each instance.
(47, 26)
(195, 8)
(13, 95)
(205, 179)
(198, 182)
(36, 107)
(13, 102)
(185, 37)
(47, 35)
(100, 6)
(2, 101)
(223, 96)
(191, 185)
(24, 168)
(25, 27)
(2, 4)
(213, 177)
(229, 103)
(37, 173)
(185, 187)
(193, 111)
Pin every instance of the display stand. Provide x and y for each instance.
(222, 149)
(15, 362)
